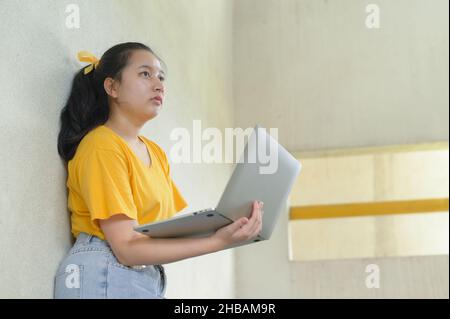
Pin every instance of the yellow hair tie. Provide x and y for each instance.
(85, 56)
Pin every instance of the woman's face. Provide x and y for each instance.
(140, 93)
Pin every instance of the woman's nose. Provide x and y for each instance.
(159, 87)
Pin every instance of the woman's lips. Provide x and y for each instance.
(158, 100)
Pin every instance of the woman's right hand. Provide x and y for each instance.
(243, 229)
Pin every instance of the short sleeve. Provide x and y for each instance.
(105, 185)
(178, 200)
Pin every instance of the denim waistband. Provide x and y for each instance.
(84, 239)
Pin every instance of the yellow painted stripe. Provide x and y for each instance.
(369, 209)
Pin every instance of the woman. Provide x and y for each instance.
(118, 179)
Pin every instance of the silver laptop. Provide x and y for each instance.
(266, 172)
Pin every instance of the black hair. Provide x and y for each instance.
(87, 106)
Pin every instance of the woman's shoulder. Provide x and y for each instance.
(100, 139)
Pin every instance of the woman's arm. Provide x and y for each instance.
(133, 248)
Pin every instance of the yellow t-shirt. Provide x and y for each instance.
(105, 178)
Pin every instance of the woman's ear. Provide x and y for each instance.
(110, 87)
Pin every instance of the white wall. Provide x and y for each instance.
(313, 70)
(38, 64)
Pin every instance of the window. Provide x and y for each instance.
(375, 202)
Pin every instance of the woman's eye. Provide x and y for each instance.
(148, 74)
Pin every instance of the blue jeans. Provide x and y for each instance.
(90, 270)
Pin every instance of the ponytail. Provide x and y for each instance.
(82, 112)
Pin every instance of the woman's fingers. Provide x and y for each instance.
(254, 217)
(252, 228)
(260, 214)
(257, 226)
(244, 228)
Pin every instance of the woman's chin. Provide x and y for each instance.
(155, 105)
(152, 114)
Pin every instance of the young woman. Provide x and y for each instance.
(118, 179)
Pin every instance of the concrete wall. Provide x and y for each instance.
(38, 63)
(312, 69)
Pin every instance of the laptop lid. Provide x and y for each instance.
(266, 171)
